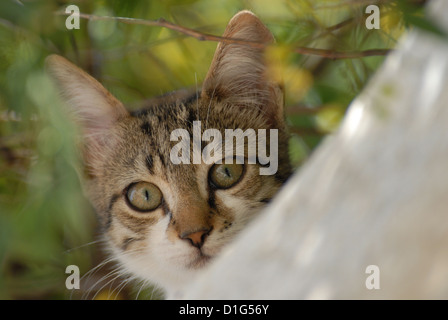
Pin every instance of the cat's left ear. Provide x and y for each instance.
(94, 109)
(90, 105)
(239, 74)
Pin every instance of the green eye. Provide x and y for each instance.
(224, 176)
(144, 196)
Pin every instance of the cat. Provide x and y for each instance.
(164, 222)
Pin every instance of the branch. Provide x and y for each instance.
(210, 37)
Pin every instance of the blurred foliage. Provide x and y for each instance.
(45, 222)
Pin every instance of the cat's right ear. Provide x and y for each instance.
(239, 73)
(94, 108)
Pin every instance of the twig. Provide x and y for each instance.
(210, 37)
(367, 2)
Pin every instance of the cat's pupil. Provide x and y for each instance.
(224, 176)
(143, 196)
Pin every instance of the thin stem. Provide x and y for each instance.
(201, 36)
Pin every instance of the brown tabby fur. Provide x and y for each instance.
(124, 147)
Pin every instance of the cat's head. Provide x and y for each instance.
(164, 221)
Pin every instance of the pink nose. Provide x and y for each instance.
(196, 238)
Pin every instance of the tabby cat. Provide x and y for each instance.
(165, 222)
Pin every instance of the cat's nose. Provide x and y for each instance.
(196, 238)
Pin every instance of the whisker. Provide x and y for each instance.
(95, 269)
(154, 289)
(116, 272)
(121, 286)
(112, 258)
(141, 287)
(83, 246)
(104, 277)
(209, 107)
(89, 274)
(197, 94)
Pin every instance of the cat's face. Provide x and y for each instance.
(165, 222)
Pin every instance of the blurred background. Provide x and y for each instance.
(46, 223)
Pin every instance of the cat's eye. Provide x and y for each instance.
(224, 176)
(144, 196)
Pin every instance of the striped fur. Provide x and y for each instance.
(124, 147)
